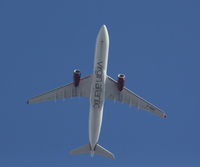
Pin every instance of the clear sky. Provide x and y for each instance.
(156, 44)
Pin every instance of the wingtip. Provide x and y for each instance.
(113, 157)
(164, 115)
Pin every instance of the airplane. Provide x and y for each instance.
(98, 87)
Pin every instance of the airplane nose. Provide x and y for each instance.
(103, 33)
(103, 28)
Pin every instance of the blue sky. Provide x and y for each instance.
(154, 43)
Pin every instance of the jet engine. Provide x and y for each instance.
(121, 80)
(76, 77)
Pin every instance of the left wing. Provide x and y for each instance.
(66, 91)
(129, 97)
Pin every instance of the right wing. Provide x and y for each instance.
(129, 97)
(66, 91)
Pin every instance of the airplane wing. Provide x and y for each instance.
(129, 97)
(83, 90)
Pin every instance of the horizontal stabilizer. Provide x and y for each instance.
(81, 150)
(102, 151)
(98, 150)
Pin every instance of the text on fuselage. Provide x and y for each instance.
(98, 85)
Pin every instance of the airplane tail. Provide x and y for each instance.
(98, 150)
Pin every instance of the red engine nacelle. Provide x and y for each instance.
(121, 80)
(76, 77)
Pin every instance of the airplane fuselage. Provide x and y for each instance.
(97, 96)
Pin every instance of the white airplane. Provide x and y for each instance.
(98, 87)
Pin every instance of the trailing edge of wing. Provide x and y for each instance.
(129, 97)
(66, 91)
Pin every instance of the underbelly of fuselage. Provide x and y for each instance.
(96, 106)
(97, 96)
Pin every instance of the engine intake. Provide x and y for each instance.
(121, 80)
(76, 77)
